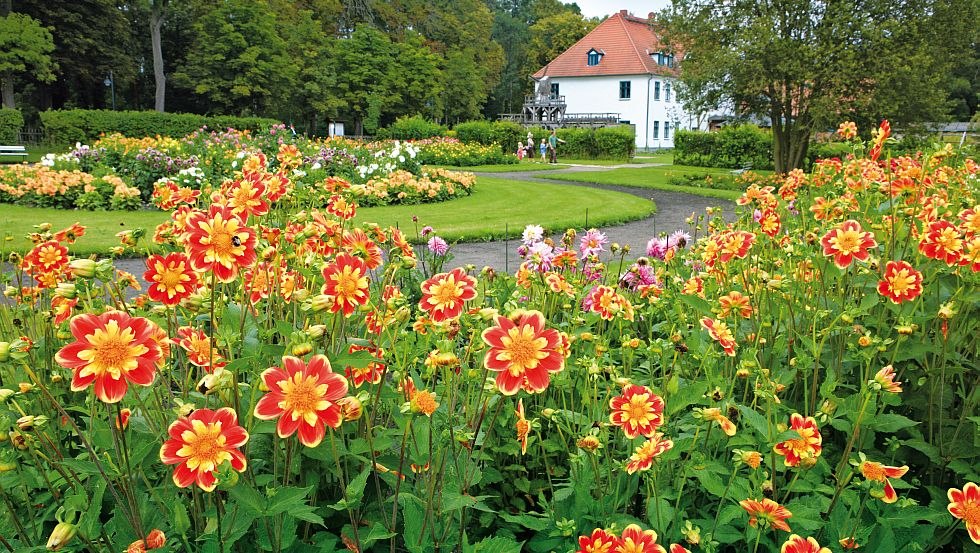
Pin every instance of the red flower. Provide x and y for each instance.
(444, 295)
(943, 242)
(200, 443)
(605, 301)
(720, 332)
(770, 223)
(340, 207)
(246, 196)
(885, 379)
(347, 283)
(521, 346)
(883, 132)
(965, 505)
(797, 544)
(847, 242)
(303, 397)
(45, 262)
(371, 372)
(877, 472)
(219, 241)
(200, 351)
(70, 234)
(171, 278)
(734, 244)
(599, 542)
(901, 282)
(356, 242)
(636, 540)
(62, 308)
(645, 453)
(111, 350)
(807, 446)
(768, 511)
(637, 411)
(258, 281)
(735, 302)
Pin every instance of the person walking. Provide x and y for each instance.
(530, 146)
(553, 142)
(543, 147)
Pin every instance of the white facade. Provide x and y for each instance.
(652, 107)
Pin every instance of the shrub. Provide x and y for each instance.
(480, 132)
(508, 134)
(411, 128)
(80, 125)
(11, 121)
(615, 142)
(731, 147)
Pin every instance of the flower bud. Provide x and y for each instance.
(62, 534)
(82, 268)
(66, 290)
(302, 349)
(351, 408)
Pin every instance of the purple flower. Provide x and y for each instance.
(592, 243)
(426, 230)
(437, 245)
(639, 274)
(657, 247)
(678, 238)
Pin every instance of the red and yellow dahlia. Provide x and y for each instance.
(521, 348)
(807, 446)
(637, 411)
(200, 443)
(445, 294)
(304, 397)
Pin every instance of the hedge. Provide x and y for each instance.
(411, 128)
(83, 125)
(11, 121)
(607, 142)
(732, 147)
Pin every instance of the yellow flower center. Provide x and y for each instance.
(846, 241)
(522, 349)
(447, 292)
(971, 512)
(901, 282)
(111, 351)
(640, 409)
(303, 397)
(49, 256)
(873, 471)
(170, 277)
(949, 240)
(204, 446)
(349, 282)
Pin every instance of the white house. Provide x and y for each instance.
(622, 67)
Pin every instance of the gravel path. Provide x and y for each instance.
(672, 209)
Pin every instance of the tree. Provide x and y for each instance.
(554, 34)
(238, 62)
(158, 12)
(25, 50)
(806, 64)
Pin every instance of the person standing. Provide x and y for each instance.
(530, 145)
(544, 150)
(553, 142)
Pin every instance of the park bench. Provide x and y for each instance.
(13, 151)
(746, 167)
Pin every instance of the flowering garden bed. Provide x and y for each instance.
(803, 377)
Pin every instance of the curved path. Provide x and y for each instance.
(672, 210)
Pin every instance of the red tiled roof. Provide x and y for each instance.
(625, 42)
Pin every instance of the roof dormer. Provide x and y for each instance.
(593, 57)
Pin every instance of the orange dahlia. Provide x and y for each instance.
(798, 544)
(636, 540)
(720, 332)
(847, 242)
(637, 411)
(200, 443)
(522, 425)
(444, 295)
(965, 505)
(885, 379)
(736, 303)
(900, 282)
(356, 242)
(200, 350)
(111, 350)
(644, 455)
(943, 242)
(347, 282)
(807, 446)
(521, 348)
(219, 241)
(877, 472)
(372, 372)
(171, 278)
(768, 511)
(599, 541)
(247, 196)
(304, 397)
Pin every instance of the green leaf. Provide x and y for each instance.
(498, 544)
(700, 305)
(890, 422)
(249, 498)
(528, 520)
(755, 420)
(354, 492)
(452, 501)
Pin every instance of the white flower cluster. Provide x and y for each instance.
(388, 161)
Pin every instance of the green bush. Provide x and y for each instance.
(605, 143)
(732, 147)
(480, 132)
(411, 128)
(508, 134)
(11, 121)
(83, 125)
(615, 142)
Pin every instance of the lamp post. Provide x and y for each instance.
(111, 83)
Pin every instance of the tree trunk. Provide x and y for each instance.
(8, 91)
(157, 14)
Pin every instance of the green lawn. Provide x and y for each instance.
(504, 168)
(666, 157)
(498, 204)
(652, 177)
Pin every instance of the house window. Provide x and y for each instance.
(666, 130)
(666, 92)
(554, 90)
(594, 58)
(656, 130)
(624, 90)
(663, 59)
(656, 90)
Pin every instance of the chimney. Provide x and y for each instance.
(651, 15)
(623, 13)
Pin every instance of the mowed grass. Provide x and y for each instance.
(498, 206)
(504, 167)
(666, 157)
(101, 226)
(657, 178)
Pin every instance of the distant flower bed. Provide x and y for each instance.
(41, 186)
(450, 151)
(404, 187)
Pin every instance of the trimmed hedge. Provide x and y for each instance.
(82, 125)
(732, 147)
(603, 143)
(411, 128)
(11, 122)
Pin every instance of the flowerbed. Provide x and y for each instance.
(803, 377)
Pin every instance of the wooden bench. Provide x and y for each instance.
(13, 151)
(746, 167)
